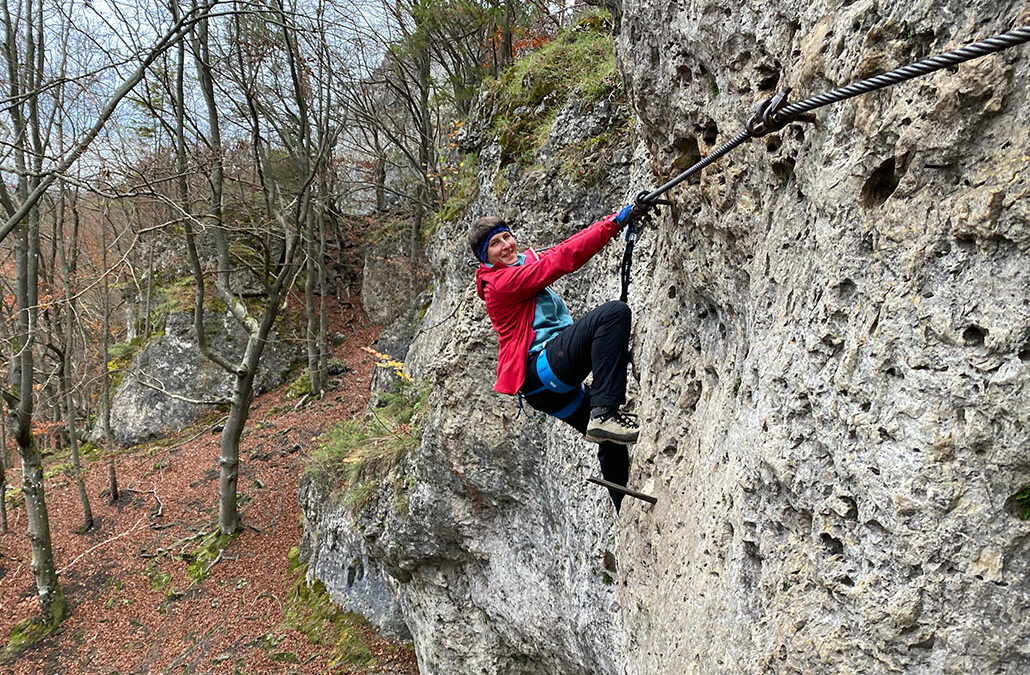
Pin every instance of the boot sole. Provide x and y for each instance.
(598, 436)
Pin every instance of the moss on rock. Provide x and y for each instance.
(310, 610)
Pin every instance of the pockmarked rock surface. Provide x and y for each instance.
(832, 370)
(499, 555)
(170, 383)
(837, 347)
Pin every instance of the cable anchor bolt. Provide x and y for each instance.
(767, 118)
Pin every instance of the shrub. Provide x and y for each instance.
(462, 183)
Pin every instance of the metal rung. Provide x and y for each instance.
(624, 490)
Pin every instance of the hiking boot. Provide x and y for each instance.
(615, 426)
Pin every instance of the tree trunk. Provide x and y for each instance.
(112, 487)
(379, 178)
(69, 257)
(323, 290)
(426, 159)
(51, 599)
(239, 410)
(5, 459)
(147, 328)
(507, 51)
(229, 456)
(69, 420)
(106, 328)
(313, 322)
(3, 474)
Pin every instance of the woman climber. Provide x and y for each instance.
(544, 355)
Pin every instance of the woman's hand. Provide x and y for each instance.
(630, 213)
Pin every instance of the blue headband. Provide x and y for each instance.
(484, 244)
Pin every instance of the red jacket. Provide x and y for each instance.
(510, 295)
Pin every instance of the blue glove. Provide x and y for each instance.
(625, 216)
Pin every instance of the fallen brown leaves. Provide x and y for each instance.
(133, 607)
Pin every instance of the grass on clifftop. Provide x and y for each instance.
(579, 62)
(358, 455)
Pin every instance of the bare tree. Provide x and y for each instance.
(69, 253)
(290, 227)
(24, 53)
(4, 458)
(30, 160)
(105, 420)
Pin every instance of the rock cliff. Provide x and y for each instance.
(170, 383)
(832, 347)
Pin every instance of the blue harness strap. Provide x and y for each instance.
(551, 382)
(572, 407)
(547, 377)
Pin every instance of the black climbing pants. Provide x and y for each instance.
(597, 342)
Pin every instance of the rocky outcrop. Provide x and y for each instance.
(337, 555)
(171, 383)
(389, 280)
(502, 557)
(832, 340)
(837, 344)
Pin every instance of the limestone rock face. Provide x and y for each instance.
(388, 280)
(337, 556)
(832, 349)
(501, 557)
(171, 383)
(834, 365)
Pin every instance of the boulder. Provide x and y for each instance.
(170, 383)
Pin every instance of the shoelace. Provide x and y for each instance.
(624, 419)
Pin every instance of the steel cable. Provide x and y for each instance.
(772, 115)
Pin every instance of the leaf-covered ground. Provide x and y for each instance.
(135, 603)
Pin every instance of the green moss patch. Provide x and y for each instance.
(586, 162)
(299, 387)
(309, 610)
(579, 62)
(159, 580)
(208, 551)
(30, 632)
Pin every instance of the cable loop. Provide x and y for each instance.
(765, 120)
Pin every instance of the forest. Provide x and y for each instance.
(219, 158)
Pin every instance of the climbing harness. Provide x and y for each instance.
(772, 114)
(550, 382)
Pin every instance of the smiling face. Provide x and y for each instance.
(502, 249)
